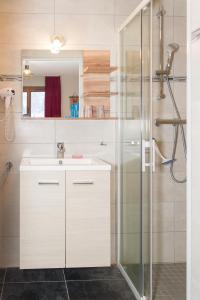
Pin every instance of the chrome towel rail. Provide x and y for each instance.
(6, 77)
(159, 122)
(7, 167)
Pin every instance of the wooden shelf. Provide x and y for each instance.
(70, 119)
(99, 70)
(100, 94)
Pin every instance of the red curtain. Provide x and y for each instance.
(52, 96)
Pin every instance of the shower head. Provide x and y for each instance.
(171, 50)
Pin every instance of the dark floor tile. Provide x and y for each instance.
(93, 273)
(17, 275)
(169, 281)
(35, 291)
(2, 275)
(99, 290)
(163, 298)
(1, 286)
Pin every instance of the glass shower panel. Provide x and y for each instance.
(131, 179)
(135, 132)
(146, 136)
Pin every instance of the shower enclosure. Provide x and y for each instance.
(135, 154)
(147, 225)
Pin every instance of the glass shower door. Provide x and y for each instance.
(135, 145)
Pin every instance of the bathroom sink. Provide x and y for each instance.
(57, 161)
(63, 164)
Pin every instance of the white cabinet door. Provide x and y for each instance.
(42, 219)
(87, 219)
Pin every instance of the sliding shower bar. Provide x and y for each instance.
(160, 16)
(159, 122)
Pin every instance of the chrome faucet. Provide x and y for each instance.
(60, 150)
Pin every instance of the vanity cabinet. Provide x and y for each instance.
(64, 219)
(42, 219)
(87, 219)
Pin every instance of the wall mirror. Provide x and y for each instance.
(71, 84)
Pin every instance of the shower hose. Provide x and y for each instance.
(176, 135)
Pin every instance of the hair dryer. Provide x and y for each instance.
(7, 95)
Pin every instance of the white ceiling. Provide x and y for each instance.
(53, 68)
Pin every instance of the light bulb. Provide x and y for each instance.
(27, 71)
(57, 43)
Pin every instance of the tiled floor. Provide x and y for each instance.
(68, 284)
(169, 282)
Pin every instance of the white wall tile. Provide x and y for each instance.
(180, 30)
(125, 9)
(98, 30)
(180, 246)
(31, 131)
(163, 217)
(113, 248)
(180, 216)
(113, 219)
(85, 131)
(16, 152)
(164, 189)
(11, 221)
(30, 28)
(180, 62)
(163, 247)
(180, 8)
(180, 94)
(24, 6)
(131, 249)
(77, 7)
(11, 62)
(11, 252)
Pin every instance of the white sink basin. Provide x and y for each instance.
(66, 161)
(63, 164)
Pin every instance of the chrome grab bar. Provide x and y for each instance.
(7, 167)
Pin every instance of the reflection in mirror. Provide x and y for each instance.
(49, 85)
(71, 84)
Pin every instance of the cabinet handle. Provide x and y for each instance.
(48, 183)
(83, 182)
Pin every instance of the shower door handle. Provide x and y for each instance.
(153, 156)
(146, 146)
